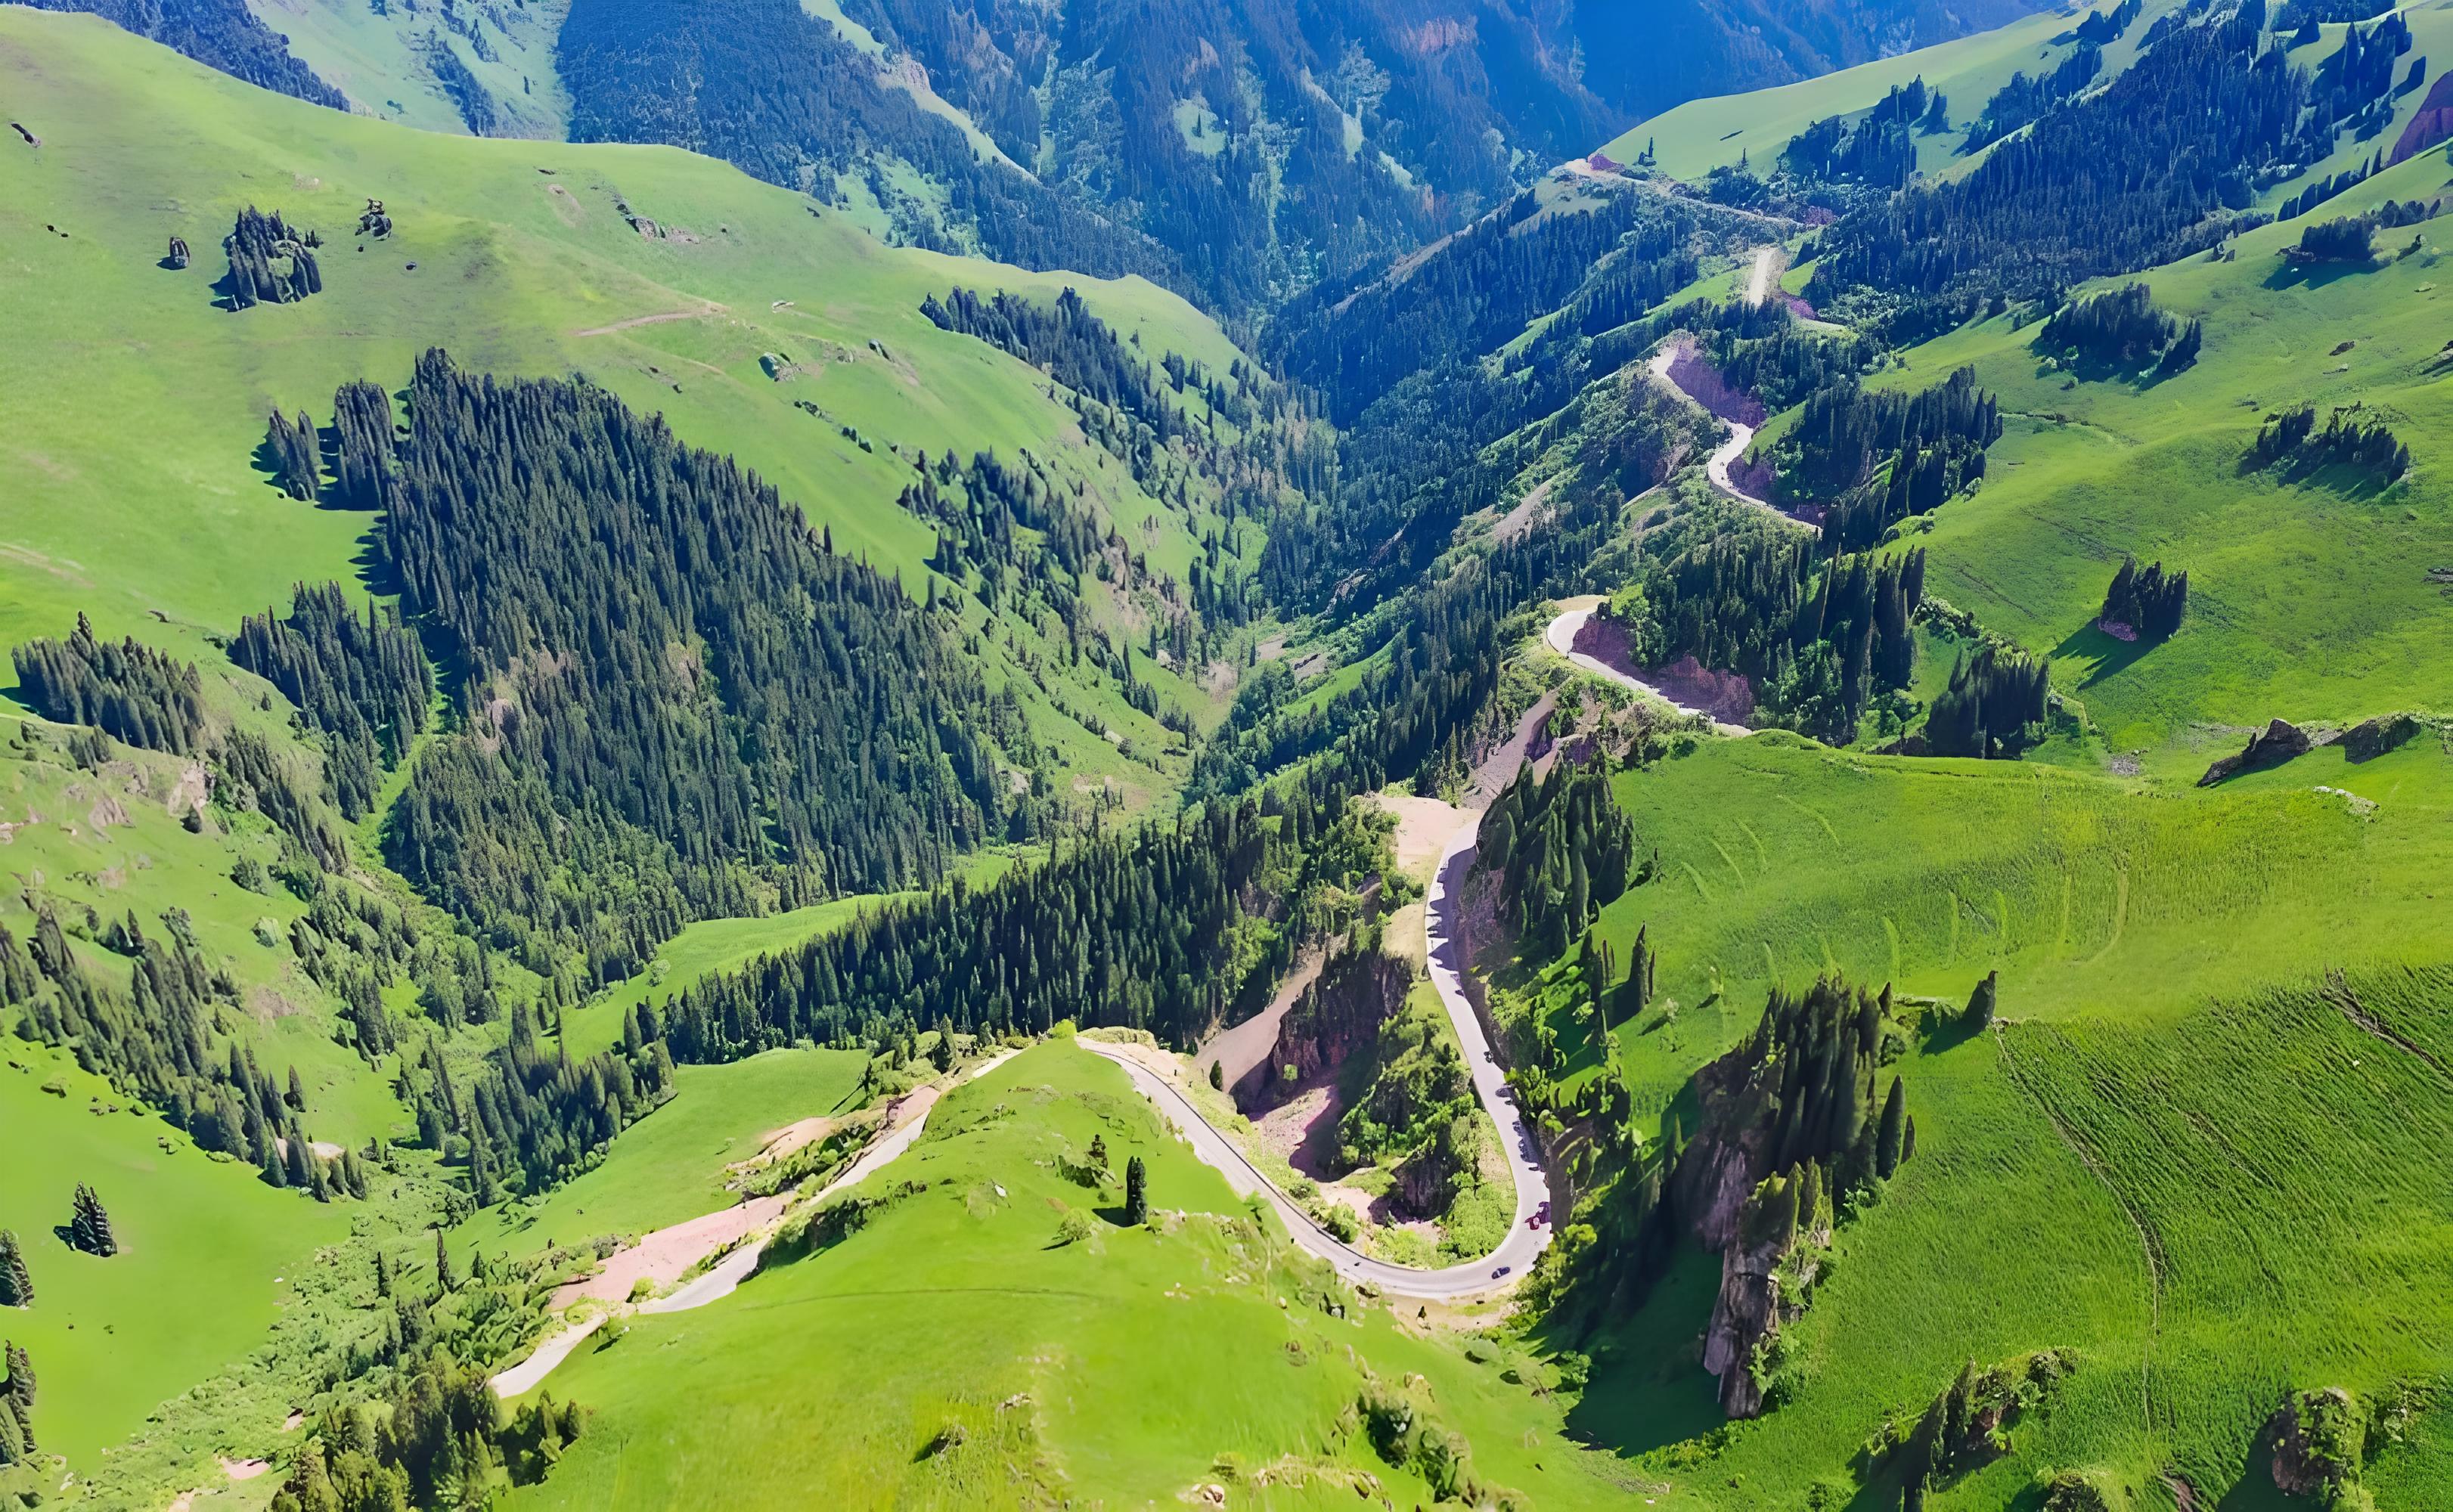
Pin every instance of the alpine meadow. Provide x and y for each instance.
(1448, 753)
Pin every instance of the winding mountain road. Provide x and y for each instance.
(1525, 1240)
(1560, 634)
(1741, 436)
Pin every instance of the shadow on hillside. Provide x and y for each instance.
(2092, 369)
(2103, 655)
(1649, 1388)
(2342, 478)
(2289, 274)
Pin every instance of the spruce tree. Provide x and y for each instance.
(443, 1281)
(16, 1283)
(1894, 1131)
(941, 1055)
(1136, 1193)
(1217, 1078)
(1979, 1003)
(13, 1438)
(90, 1227)
(21, 1386)
(298, 1161)
(296, 1095)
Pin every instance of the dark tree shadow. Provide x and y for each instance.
(2289, 274)
(1649, 1388)
(2104, 655)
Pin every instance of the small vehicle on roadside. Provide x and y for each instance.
(1500, 1271)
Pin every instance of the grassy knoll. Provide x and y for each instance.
(2308, 600)
(204, 1246)
(958, 1352)
(137, 405)
(670, 1166)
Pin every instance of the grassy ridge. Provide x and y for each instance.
(1128, 1367)
(1701, 136)
(137, 405)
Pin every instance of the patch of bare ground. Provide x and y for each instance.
(777, 1144)
(1527, 513)
(1425, 826)
(1303, 1129)
(1237, 1051)
(662, 1257)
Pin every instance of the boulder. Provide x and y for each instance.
(2277, 743)
(2372, 738)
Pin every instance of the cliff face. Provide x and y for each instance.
(1785, 1127)
(1341, 1012)
(1745, 1314)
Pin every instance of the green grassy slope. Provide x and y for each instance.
(1703, 134)
(108, 841)
(670, 1167)
(383, 58)
(2309, 601)
(1782, 860)
(204, 1249)
(2195, 1151)
(137, 405)
(2210, 1210)
(1127, 1368)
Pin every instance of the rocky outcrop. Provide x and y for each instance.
(2433, 123)
(2372, 738)
(1726, 696)
(1338, 1014)
(2320, 1439)
(1765, 1272)
(2280, 741)
(1744, 1317)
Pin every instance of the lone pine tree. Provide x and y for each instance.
(1890, 1143)
(90, 1227)
(16, 1283)
(1136, 1192)
(1979, 1003)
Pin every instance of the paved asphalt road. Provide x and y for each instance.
(1503, 1266)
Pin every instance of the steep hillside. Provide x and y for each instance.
(2214, 1047)
(787, 340)
(2314, 595)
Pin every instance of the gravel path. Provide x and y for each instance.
(737, 1266)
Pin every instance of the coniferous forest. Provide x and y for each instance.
(677, 702)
